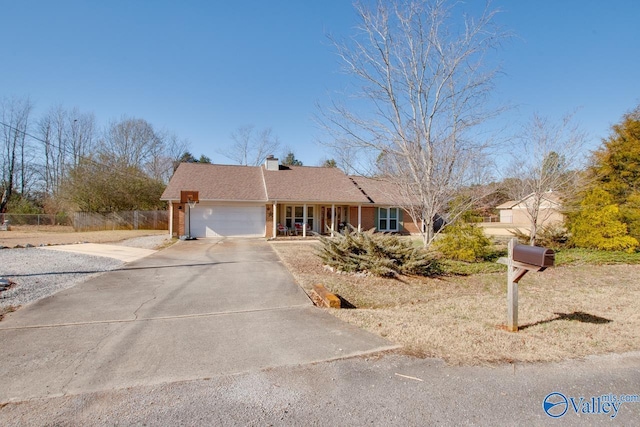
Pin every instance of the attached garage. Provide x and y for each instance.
(214, 220)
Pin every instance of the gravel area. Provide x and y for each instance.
(147, 242)
(39, 273)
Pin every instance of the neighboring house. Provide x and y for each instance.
(255, 200)
(515, 212)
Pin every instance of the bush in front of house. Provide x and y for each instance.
(463, 241)
(553, 236)
(376, 253)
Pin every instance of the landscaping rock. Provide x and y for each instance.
(322, 297)
(5, 284)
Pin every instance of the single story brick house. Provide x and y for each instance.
(515, 211)
(267, 200)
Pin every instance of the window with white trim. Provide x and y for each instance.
(295, 214)
(388, 219)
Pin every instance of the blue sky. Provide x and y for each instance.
(201, 69)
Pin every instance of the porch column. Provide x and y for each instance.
(304, 220)
(275, 217)
(359, 218)
(170, 218)
(333, 218)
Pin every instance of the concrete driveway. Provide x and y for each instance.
(193, 311)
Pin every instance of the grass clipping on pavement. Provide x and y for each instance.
(564, 312)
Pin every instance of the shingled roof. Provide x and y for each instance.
(217, 182)
(551, 196)
(289, 183)
(312, 184)
(378, 191)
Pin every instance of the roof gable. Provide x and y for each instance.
(551, 198)
(217, 182)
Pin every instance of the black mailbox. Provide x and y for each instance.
(534, 255)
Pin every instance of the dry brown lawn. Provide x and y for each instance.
(59, 235)
(564, 312)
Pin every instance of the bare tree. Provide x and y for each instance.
(546, 158)
(81, 133)
(165, 155)
(67, 136)
(48, 127)
(423, 86)
(251, 147)
(14, 119)
(131, 142)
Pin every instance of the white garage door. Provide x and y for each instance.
(217, 220)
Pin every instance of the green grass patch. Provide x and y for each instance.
(574, 256)
(595, 257)
(567, 256)
(462, 268)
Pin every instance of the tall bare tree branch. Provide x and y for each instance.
(424, 86)
(547, 157)
(251, 147)
(14, 115)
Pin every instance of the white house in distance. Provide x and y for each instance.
(515, 211)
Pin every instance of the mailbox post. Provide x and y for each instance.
(522, 259)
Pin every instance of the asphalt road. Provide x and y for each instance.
(390, 390)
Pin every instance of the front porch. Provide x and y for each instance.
(307, 219)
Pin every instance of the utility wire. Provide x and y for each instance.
(67, 151)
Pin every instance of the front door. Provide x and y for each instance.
(340, 218)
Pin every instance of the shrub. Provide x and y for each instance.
(376, 253)
(463, 242)
(523, 238)
(22, 205)
(598, 225)
(550, 236)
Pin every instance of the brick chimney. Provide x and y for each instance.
(271, 163)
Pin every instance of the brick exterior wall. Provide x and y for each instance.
(269, 221)
(178, 219)
(368, 217)
(409, 226)
(369, 220)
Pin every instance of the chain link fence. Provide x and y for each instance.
(93, 221)
(123, 220)
(35, 219)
